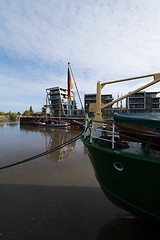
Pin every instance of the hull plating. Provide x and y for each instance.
(130, 180)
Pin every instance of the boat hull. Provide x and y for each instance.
(52, 125)
(75, 127)
(130, 181)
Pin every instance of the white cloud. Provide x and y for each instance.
(104, 40)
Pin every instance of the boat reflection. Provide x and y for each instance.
(53, 138)
(128, 227)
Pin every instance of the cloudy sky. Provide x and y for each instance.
(103, 39)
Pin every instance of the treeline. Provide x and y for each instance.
(12, 116)
(30, 112)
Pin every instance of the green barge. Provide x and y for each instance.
(127, 171)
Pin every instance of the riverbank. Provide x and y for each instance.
(4, 119)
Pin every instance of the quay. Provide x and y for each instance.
(29, 120)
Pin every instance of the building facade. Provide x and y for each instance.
(59, 103)
(143, 102)
(91, 98)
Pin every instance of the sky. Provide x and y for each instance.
(103, 40)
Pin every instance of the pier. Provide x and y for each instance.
(29, 120)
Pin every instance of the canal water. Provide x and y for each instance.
(56, 196)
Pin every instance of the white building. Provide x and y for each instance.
(59, 103)
(143, 102)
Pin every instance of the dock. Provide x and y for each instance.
(29, 120)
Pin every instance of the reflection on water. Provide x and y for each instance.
(53, 199)
(55, 137)
(128, 228)
(63, 167)
(12, 124)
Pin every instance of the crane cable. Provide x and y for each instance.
(43, 153)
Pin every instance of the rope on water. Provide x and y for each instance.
(43, 153)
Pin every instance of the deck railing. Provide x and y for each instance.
(108, 132)
(94, 132)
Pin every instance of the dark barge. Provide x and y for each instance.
(29, 120)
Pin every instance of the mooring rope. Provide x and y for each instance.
(43, 153)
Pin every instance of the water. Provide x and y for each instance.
(56, 196)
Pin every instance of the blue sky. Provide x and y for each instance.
(104, 40)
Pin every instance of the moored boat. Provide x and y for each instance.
(76, 124)
(54, 124)
(127, 172)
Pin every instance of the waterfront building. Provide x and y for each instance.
(46, 110)
(91, 98)
(59, 103)
(143, 102)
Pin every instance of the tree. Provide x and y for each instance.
(31, 110)
(26, 113)
(2, 113)
(12, 116)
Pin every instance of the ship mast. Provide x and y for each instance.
(46, 105)
(76, 86)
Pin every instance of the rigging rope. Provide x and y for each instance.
(43, 153)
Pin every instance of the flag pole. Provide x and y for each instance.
(75, 85)
(46, 105)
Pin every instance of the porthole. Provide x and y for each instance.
(118, 166)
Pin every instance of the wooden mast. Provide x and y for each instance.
(59, 110)
(46, 105)
(76, 86)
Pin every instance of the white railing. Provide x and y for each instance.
(94, 132)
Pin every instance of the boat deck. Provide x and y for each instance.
(137, 149)
(109, 140)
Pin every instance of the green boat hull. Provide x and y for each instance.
(128, 179)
